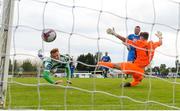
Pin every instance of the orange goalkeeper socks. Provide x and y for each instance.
(108, 64)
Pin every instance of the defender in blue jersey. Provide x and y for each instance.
(105, 58)
(131, 49)
(51, 65)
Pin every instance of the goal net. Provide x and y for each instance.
(81, 29)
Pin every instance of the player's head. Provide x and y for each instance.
(144, 35)
(137, 30)
(55, 54)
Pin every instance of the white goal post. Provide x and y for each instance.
(81, 29)
(5, 41)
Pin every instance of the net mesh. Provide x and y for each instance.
(81, 28)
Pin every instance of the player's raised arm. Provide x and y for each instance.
(159, 35)
(112, 32)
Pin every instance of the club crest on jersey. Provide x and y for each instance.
(134, 40)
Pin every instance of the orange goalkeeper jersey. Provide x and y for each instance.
(144, 51)
(152, 46)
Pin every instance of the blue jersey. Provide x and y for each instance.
(72, 67)
(132, 50)
(106, 59)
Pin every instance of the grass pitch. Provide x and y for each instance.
(59, 98)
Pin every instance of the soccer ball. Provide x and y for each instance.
(48, 35)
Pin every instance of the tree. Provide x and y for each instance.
(177, 63)
(10, 65)
(28, 66)
(98, 56)
(177, 66)
(163, 69)
(156, 69)
(173, 69)
(87, 59)
(81, 58)
(13, 64)
(90, 59)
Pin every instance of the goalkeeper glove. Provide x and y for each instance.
(111, 31)
(159, 34)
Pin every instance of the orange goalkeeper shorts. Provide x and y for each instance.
(133, 69)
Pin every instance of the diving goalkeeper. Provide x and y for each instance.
(144, 54)
(53, 63)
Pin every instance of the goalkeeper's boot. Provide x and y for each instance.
(127, 84)
(69, 82)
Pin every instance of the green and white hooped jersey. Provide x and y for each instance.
(50, 64)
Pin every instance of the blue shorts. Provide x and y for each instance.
(104, 68)
(131, 56)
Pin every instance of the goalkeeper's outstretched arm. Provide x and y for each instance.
(112, 32)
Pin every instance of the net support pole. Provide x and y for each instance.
(5, 38)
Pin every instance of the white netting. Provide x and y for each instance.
(81, 28)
